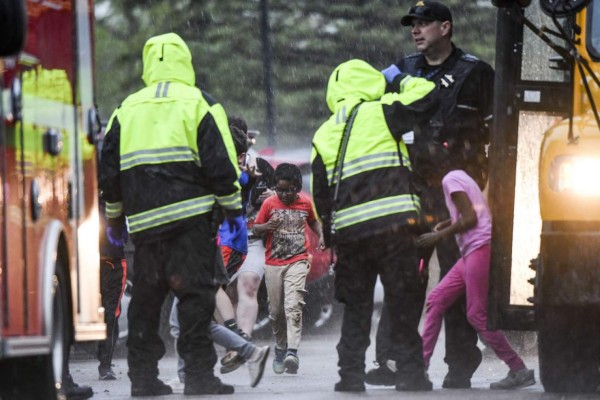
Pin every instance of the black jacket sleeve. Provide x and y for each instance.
(321, 194)
(218, 159)
(109, 179)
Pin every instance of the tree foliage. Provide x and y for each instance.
(309, 38)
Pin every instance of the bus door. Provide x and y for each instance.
(532, 92)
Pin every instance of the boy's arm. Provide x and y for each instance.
(467, 220)
(269, 226)
(265, 221)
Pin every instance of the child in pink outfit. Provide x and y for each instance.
(471, 223)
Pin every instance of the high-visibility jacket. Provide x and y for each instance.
(375, 194)
(168, 154)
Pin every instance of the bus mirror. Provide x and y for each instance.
(563, 8)
(13, 32)
(510, 3)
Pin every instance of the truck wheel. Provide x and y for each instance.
(48, 373)
(40, 376)
(60, 340)
(569, 349)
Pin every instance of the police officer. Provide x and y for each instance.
(361, 172)
(167, 158)
(464, 87)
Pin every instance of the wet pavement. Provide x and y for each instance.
(316, 377)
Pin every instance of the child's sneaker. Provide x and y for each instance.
(278, 366)
(256, 364)
(514, 380)
(291, 362)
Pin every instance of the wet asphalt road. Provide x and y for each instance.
(318, 372)
(316, 377)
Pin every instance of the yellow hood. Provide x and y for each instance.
(167, 58)
(353, 81)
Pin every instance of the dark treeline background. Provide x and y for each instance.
(309, 38)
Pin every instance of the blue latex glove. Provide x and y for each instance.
(244, 178)
(117, 235)
(391, 72)
(236, 223)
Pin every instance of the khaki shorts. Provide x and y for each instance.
(255, 260)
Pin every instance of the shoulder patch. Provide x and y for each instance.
(411, 56)
(469, 57)
(408, 63)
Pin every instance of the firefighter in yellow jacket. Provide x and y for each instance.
(167, 158)
(362, 190)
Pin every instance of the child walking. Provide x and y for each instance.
(283, 219)
(472, 224)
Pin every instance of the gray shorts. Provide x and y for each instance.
(255, 260)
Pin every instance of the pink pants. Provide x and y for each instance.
(469, 275)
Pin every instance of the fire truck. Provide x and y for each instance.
(544, 186)
(49, 223)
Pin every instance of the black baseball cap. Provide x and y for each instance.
(427, 11)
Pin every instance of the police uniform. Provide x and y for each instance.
(376, 211)
(168, 157)
(464, 88)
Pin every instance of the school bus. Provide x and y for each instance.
(49, 225)
(544, 186)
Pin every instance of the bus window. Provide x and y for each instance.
(536, 53)
(593, 32)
